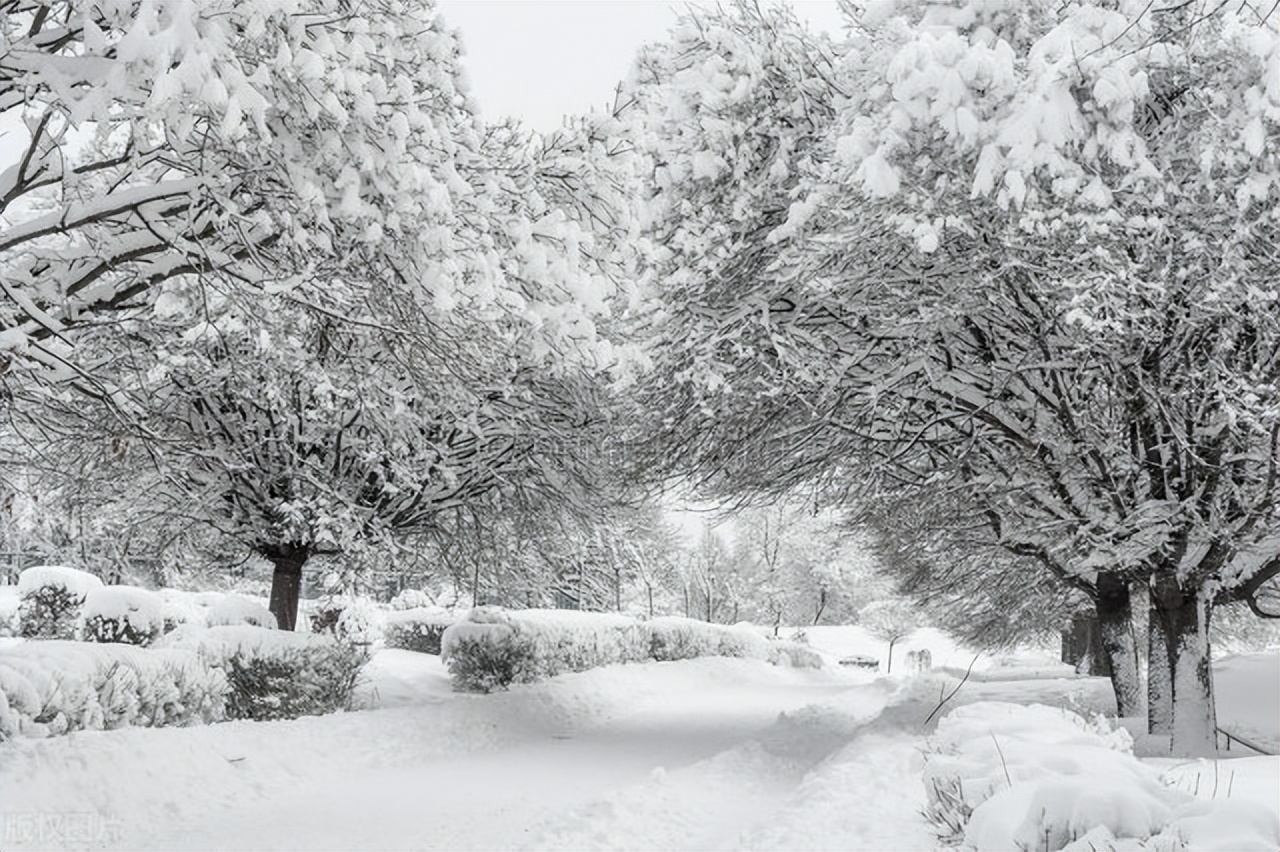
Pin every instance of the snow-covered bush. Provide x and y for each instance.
(122, 614)
(494, 648)
(794, 654)
(56, 686)
(349, 618)
(488, 656)
(180, 608)
(277, 674)
(232, 610)
(9, 602)
(411, 599)
(50, 600)
(419, 629)
(1007, 776)
(676, 638)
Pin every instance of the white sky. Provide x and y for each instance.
(540, 60)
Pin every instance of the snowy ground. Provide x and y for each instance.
(688, 755)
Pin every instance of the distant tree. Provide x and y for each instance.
(891, 620)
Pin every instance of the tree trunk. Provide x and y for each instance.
(1182, 618)
(822, 605)
(1083, 647)
(1159, 683)
(286, 581)
(889, 665)
(1119, 646)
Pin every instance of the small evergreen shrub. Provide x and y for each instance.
(50, 598)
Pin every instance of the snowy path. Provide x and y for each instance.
(666, 756)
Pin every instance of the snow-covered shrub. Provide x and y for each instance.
(494, 648)
(56, 686)
(794, 654)
(179, 608)
(1007, 776)
(411, 599)
(232, 610)
(676, 638)
(419, 629)
(277, 674)
(488, 656)
(9, 602)
(50, 600)
(349, 618)
(122, 614)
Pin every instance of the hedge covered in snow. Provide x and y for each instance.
(57, 686)
(1008, 776)
(276, 674)
(494, 648)
(50, 600)
(417, 629)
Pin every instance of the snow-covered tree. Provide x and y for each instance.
(890, 619)
(341, 303)
(1025, 259)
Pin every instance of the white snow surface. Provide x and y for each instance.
(78, 583)
(709, 753)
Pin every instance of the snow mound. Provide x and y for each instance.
(77, 583)
(1006, 776)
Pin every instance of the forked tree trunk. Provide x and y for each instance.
(1119, 646)
(286, 581)
(1182, 619)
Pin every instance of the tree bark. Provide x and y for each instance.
(286, 581)
(1119, 647)
(888, 669)
(1182, 618)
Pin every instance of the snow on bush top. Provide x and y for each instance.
(436, 616)
(143, 609)
(77, 583)
(234, 609)
(226, 640)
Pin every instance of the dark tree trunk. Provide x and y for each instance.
(286, 581)
(1119, 648)
(888, 669)
(822, 605)
(1181, 617)
(1082, 645)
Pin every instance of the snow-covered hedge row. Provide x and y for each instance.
(56, 686)
(276, 674)
(1006, 776)
(495, 648)
(418, 629)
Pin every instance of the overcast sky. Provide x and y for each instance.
(540, 60)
